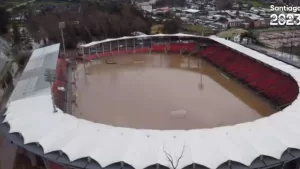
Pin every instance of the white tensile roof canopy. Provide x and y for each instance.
(33, 118)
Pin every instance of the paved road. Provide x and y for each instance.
(289, 58)
(21, 4)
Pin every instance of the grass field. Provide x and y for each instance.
(11, 3)
(255, 3)
(52, 2)
(199, 29)
(231, 32)
(157, 29)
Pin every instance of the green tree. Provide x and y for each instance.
(97, 20)
(228, 6)
(171, 26)
(16, 35)
(249, 35)
(26, 41)
(4, 20)
(228, 26)
(171, 3)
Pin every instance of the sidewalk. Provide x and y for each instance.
(69, 96)
(286, 57)
(8, 151)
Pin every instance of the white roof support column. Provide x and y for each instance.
(82, 48)
(118, 45)
(110, 46)
(134, 44)
(103, 48)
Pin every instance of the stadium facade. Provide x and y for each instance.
(271, 142)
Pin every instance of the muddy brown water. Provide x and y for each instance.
(159, 91)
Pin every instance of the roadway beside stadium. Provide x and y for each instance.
(271, 142)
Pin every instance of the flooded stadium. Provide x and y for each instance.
(159, 91)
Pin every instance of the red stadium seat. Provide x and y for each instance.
(253, 73)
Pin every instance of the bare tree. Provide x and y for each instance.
(174, 162)
(97, 21)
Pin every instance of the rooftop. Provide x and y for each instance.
(74, 141)
(32, 80)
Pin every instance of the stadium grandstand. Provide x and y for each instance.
(64, 141)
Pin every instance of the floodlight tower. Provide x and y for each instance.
(61, 26)
(50, 76)
(291, 42)
(201, 85)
